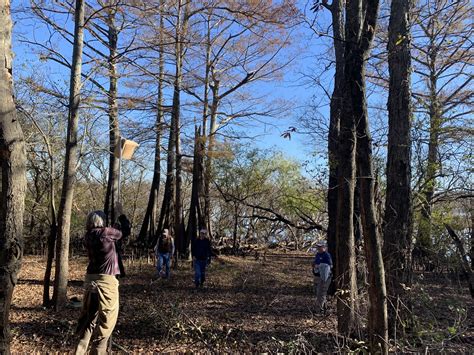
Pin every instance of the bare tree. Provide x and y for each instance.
(111, 196)
(70, 166)
(443, 60)
(398, 203)
(336, 9)
(148, 229)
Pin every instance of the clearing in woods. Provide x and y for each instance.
(247, 305)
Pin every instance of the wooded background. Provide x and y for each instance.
(390, 124)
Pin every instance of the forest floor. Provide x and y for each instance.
(247, 305)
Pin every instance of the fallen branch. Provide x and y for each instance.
(310, 225)
(120, 347)
(464, 258)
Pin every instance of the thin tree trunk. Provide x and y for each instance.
(377, 317)
(111, 197)
(176, 111)
(210, 149)
(70, 164)
(398, 205)
(336, 105)
(235, 232)
(166, 219)
(53, 226)
(53, 230)
(148, 229)
(424, 229)
(205, 114)
(195, 220)
(423, 240)
(36, 202)
(12, 181)
(345, 248)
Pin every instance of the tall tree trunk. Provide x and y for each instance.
(398, 204)
(336, 105)
(423, 240)
(148, 229)
(166, 219)
(361, 16)
(377, 317)
(205, 114)
(176, 111)
(111, 197)
(12, 181)
(196, 220)
(70, 164)
(209, 156)
(359, 37)
(345, 248)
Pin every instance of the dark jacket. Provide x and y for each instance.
(323, 258)
(100, 245)
(201, 249)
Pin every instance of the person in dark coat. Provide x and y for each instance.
(201, 252)
(100, 305)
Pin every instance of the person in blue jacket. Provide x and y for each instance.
(322, 266)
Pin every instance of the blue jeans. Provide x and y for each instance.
(163, 258)
(199, 272)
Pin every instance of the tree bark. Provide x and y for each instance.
(398, 204)
(176, 112)
(336, 105)
(111, 197)
(148, 229)
(377, 317)
(53, 230)
(345, 248)
(166, 219)
(423, 242)
(209, 156)
(362, 31)
(12, 181)
(205, 114)
(360, 26)
(70, 164)
(196, 217)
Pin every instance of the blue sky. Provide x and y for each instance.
(293, 87)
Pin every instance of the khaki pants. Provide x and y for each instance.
(100, 308)
(321, 289)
